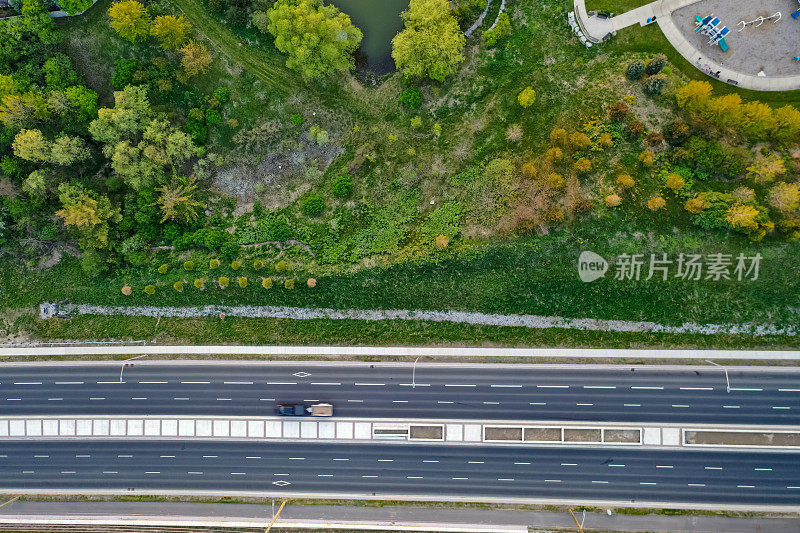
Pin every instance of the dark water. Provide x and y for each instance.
(379, 21)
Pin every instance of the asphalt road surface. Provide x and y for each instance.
(388, 391)
(391, 469)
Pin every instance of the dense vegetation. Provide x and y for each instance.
(190, 153)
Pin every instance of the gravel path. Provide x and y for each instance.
(462, 317)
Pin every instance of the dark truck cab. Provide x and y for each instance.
(301, 409)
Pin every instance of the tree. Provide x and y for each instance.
(31, 145)
(127, 118)
(177, 202)
(67, 150)
(431, 43)
(785, 197)
(501, 30)
(766, 168)
(130, 19)
(171, 31)
(411, 97)
(787, 124)
(655, 84)
(58, 72)
(635, 70)
(527, 97)
(655, 203)
(89, 213)
(342, 185)
(73, 7)
(693, 95)
(312, 205)
(195, 58)
(656, 64)
(318, 38)
(36, 19)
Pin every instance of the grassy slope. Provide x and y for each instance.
(269, 71)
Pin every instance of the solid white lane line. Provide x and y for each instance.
(458, 385)
(69, 382)
(599, 387)
(327, 384)
(281, 383)
(370, 384)
(552, 386)
(237, 382)
(763, 469)
(506, 386)
(154, 382)
(196, 382)
(679, 405)
(631, 405)
(27, 383)
(697, 388)
(647, 388)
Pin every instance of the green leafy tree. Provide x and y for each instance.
(501, 30)
(177, 201)
(31, 145)
(130, 20)
(58, 72)
(431, 43)
(67, 150)
(342, 185)
(36, 19)
(318, 38)
(73, 7)
(312, 205)
(195, 58)
(411, 97)
(171, 31)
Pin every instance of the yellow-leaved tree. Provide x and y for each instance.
(130, 19)
(171, 31)
(89, 213)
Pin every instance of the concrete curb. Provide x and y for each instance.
(406, 351)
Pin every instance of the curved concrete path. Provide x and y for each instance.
(597, 29)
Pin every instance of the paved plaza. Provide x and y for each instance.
(768, 47)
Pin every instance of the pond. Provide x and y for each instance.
(379, 21)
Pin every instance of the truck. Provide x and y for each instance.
(301, 409)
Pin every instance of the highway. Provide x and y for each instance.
(390, 469)
(508, 392)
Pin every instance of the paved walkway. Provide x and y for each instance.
(395, 518)
(597, 29)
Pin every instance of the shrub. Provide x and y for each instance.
(312, 205)
(281, 266)
(554, 154)
(150, 289)
(579, 141)
(416, 122)
(655, 203)
(411, 97)
(223, 282)
(635, 70)
(676, 132)
(127, 290)
(556, 181)
(188, 266)
(178, 286)
(229, 249)
(527, 97)
(236, 265)
(647, 158)
(258, 264)
(311, 282)
(582, 165)
(613, 200)
(785, 197)
(200, 283)
(605, 140)
(655, 65)
(296, 119)
(636, 128)
(694, 205)
(618, 111)
(213, 264)
(501, 30)
(342, 186)
(675, 182)
(266, 283)
(655, 84)
(221, 94)
(213, 117)
(289, 283)
(242, 281)
(559, 137)
(441, 242)
(625, 181)
(163, 269)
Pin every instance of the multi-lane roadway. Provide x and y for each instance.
(519, 392)
(406, 470)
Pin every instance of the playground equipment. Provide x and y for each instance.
(712, 27)
(758, 21)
